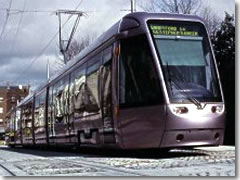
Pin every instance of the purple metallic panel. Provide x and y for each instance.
(141, 127)
(194, 118)
(40, 135)
(191, 138)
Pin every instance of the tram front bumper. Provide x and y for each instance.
(190, 138)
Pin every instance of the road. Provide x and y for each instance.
(208, 161)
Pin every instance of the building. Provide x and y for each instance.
(9, 97)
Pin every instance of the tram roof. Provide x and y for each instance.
(114, 30)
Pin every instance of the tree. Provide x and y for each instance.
(74, 49)
(224, 47)
(224, 42)
(212, 21)
(171, 6)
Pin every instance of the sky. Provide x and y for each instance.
(24, 44)
(220, 6)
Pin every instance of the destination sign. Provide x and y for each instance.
(172, 30)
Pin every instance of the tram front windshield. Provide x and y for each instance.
(187, 62)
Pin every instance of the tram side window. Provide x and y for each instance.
(27, 118)
(65, 98)
(39, 112)
(28, 122)
(42, 109)
(50, 109)
(60, 99)
(36, 112)
(12, 120)
(91, 97)
(29, 114)
(24, 117)
(18, 119)
(139, 83)
(106, 82)
(76, 92)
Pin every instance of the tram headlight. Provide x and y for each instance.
(217, 109)
(180, 110)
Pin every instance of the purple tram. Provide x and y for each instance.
(150, 81)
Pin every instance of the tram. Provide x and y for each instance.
(150, 81)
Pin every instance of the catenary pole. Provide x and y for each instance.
(133, 6)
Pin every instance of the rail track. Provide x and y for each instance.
(196, 162)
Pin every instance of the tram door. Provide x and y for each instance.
(106, 96)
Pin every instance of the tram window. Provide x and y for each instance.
(23, 119)
(139, 83)
(12, 119)
(187, 61)
(107, 55)
(60, 99)
(50, 102)
(71, 94)
(27, 119)
(56, 100)
(106, 82)
(50, 109)
(18, 120)
(42, 109)
(36, 112)
(91, 89)
(76, 91)
(39, 113)
(65, 97)
(27, 115)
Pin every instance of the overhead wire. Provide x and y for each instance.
(18, 27)
(47, 45)
(7, 17)
(16, 11)
(19, 11)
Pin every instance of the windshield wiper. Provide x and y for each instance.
(190, 98)
(181, 90)
(169, 78)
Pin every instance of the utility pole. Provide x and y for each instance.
(48, 70)
(176, 6)
(133, 6)
(64, 44)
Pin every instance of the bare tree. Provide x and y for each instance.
(74, 49)
(195, 7)
(77, 46)
(212, 21)
(171, 6)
